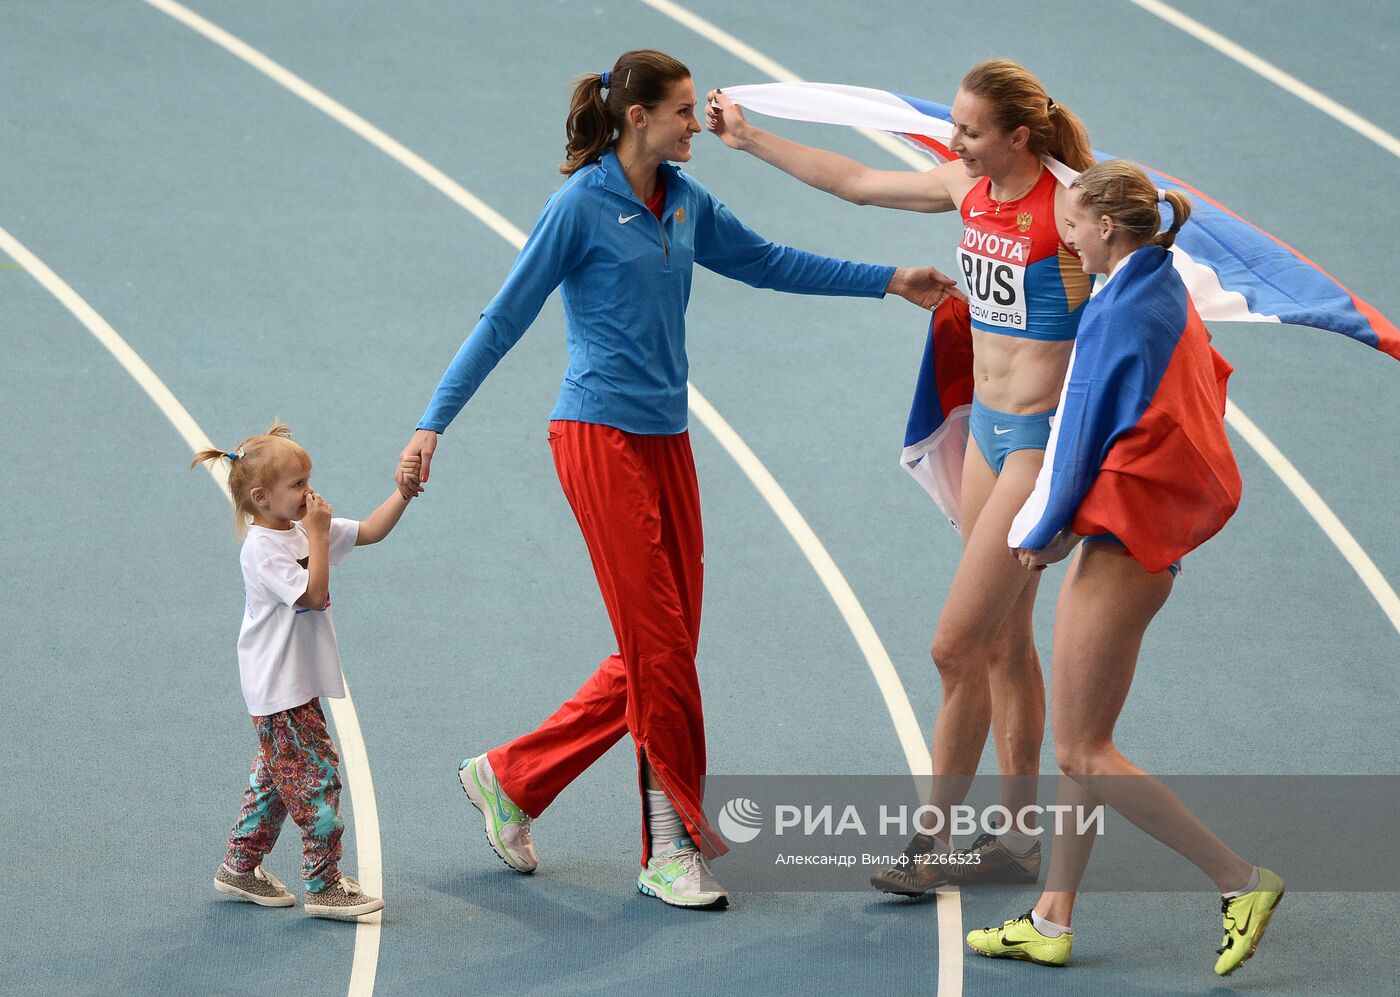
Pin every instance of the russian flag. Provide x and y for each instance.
(1233, 270)
(1236, 272)
(1138, 447)
(935, 436)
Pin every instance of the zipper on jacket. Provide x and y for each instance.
(665, 248)
(660, 230)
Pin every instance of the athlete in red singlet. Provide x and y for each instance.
(1020, 277)
(1026, 299)
(1022, 281)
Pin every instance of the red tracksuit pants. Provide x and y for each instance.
(638, 504)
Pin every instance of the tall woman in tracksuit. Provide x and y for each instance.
(622, 236)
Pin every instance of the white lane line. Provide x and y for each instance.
(117, 346)
(341, 114)
(949, 899)
(917, 754)
(887, 679)
(906, 724)
(777, 71)
(1273, 74)
(1326, 519)
(1360, 561)
(365, 811)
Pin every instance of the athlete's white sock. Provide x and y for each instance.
(1248, 887)
(1015, 841)
(488, 776)
(1049, 928)
(664, 825)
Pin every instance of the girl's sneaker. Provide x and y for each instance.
(342, 901)
(507, 826)
(257, 887)
(682, 878)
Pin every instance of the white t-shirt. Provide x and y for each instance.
(287, 654)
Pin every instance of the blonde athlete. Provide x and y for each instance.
(1026, 292)
(1140, 470)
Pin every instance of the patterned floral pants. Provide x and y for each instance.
(294, 775)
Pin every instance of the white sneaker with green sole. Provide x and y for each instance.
(682, 878)
(507, 826)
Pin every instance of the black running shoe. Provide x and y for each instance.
(990, 861)
(921, 867)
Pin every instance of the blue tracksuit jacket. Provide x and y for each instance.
(626, 282)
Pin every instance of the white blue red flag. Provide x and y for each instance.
(1137, 447)
(1233, 270)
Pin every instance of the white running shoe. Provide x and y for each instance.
(507, 826)
(682, 878)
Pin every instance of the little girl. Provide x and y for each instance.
(287, 659)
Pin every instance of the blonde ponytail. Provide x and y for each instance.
(1181, 210)
(1122, 191)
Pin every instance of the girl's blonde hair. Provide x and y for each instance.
(254, 463)
(1122, 191)
(1018, 98)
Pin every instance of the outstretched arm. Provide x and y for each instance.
(727, 246)
(554, 248)
(939, 189)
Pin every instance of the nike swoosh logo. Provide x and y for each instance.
(974, 213)
(495, 798)
(1001, 432)
(623, 221)
(668, 878)
(1243, 929)
(1010, 944)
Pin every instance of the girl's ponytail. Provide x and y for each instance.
(1070, 141)
(210, 455)
(254, 463)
